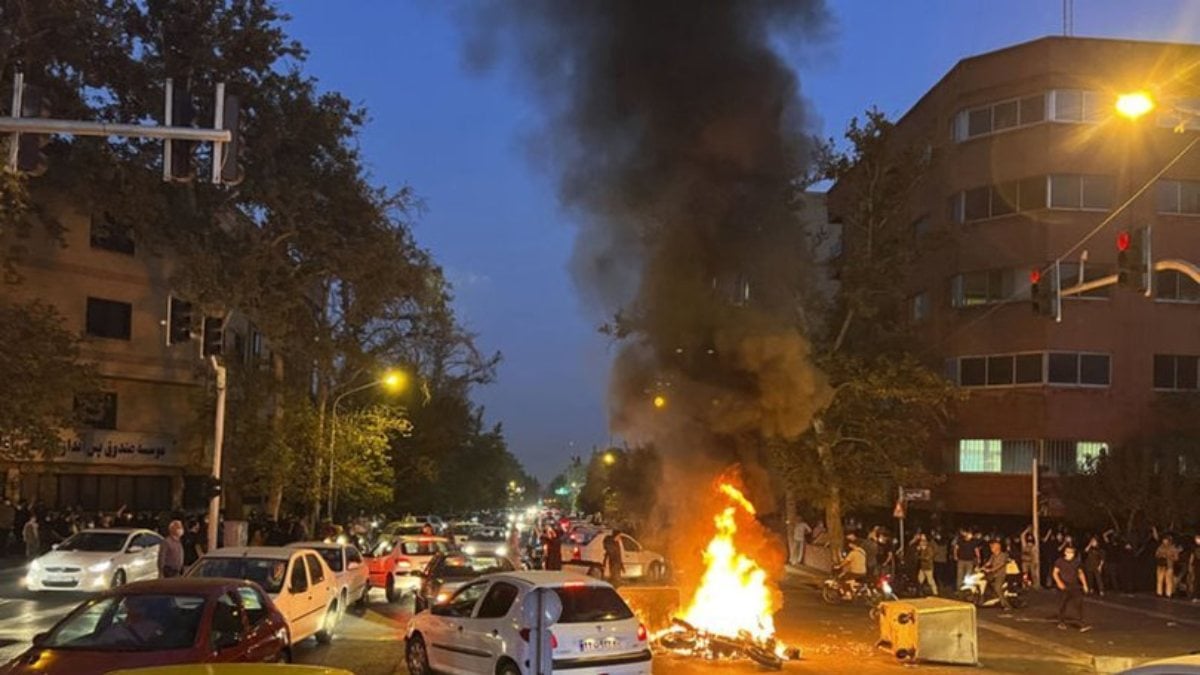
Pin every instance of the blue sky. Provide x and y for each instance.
(493, 220)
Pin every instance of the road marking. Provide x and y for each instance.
(1146, 612)
(1013, 634)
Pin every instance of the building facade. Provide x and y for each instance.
(1032, 167)
(143, 436)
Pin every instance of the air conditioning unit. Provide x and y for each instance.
(930, 629)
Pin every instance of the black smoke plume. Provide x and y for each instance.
(677, 135)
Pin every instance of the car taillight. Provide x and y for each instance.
(641, 632)
(576, 554)
(525, 633)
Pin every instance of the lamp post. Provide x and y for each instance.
(393, 380)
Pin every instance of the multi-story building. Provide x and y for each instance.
(1031, 165)
(146, 436)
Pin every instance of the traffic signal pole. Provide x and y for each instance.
(214, 502)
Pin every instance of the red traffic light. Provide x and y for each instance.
(1123, 241)
(1035, 276)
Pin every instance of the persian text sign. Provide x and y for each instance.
(97, 446)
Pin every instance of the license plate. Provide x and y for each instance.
(58, 578)
(592, 645)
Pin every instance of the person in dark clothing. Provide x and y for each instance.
(191, 544)
(614, 566)
(996, 572)
(1093, 565)
(552, 544)
(1072, 584)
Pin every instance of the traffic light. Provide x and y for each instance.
(183, 114)
(1043, 292)
(231, 168)
(1133, 259)
(30, 158)
(214, 336)
(179, 321)
(212, 487)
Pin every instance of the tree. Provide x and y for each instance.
(887, 406)
(41, 368)
(362, 442)
(620, 484)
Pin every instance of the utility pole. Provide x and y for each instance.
(1037, 532)
(214, 502)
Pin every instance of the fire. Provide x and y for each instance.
(735, 595)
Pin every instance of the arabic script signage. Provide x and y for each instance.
(117, 447)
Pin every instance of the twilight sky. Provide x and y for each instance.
(493, 220)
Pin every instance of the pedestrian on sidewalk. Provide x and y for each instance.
(1193, 571)
(1072, 584)
(170, 552)
(1165, 558)
(800, 532)
(1093, 565)
(31, 536)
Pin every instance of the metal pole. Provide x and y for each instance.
(218, 120)
(214, 504)
(46, 125)
(168, 117)
(1058, 290)
(1037, 531)
(1148, 263)
(900, 501)
(332, 454)
(17, 96)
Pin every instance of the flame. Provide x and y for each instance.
(735, 595)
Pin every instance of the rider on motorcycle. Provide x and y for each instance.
(853, 567)
(995, 571)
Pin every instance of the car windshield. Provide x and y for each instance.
(469, 566)
(333, 556)
(107, 542)
(403, 528)
(487, 536)
(266, 572)
(422, 547)
(583, 537)
(588, 604)
(142, 623)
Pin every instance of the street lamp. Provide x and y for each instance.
(660, 401)
(392, 380)
(1134, 104)
(610, 458)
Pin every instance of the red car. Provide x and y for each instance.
(158, 623)
(397, 564)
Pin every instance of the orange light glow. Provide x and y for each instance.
(735, 594)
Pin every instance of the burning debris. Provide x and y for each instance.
(731, 613)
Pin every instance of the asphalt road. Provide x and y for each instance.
(833, 639)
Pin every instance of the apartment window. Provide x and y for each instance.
(972, 371)
(1069, 272)
(97, 410)
(109, 318)
(1000, 370)
(108, 235)
(979, 122)
(1033, 109)
(1087, 452)
(1002, 199)
(1074, 105)
(1000, 116)
(977, 203)
(1175, 373)
(1006, 115)
(1174, 286)
(979, 455)
(1073, 368)
(1172, 120)
(1071, 191)
(1179, 196)
(920, 306)
(1028, 368)
(986, 287)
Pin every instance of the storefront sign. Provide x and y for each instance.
(118, 447)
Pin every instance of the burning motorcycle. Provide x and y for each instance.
(975, 590)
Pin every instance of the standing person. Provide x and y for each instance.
(941, 558)
(1028, 549)
(966, 556)
(553, 547)
(1072, 584)
(31, 536)
(8, 516)
(925, 564)
(614, 566)
(1193, 571)
(871, 548)
(996, 573)
(191, 544)
(1165, 558)
(514, 547)
(1093, 565)
(800, 532)
(170, 552)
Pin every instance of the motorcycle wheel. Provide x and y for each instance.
(830, 595)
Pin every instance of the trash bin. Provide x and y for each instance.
(930, 629)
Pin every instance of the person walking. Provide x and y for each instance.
(553, 547)
(871, 548)
(1071, 582)
(30, 534)
(800, 533)
(1093, 565)
(170, 552)
(1165, 558)
(966, 557)
(614, 565)
(925, 573)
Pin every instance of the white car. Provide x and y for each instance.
(95, 560)
(1179, 665)
(487, 541)
(298, 580)
(480, 629)
(353, 577)
(585, 546)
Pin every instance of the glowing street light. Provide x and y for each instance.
(610, 458)
(394, 380)
(660, 401)
(1134, 104)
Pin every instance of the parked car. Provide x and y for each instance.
(95, 560)
(487, 541)
(236, 669)
(438, 524)
(1178, 665)
(585, 547)
(396, 563)
(298, 580)
(447, 572)
(479, 629)
(154, 623)
(349, 568)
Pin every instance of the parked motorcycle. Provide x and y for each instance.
(975, 591)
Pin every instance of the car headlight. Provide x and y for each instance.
(100, 567)
(469, 550)
(502, 551)
(35, 566)
(441, 598)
